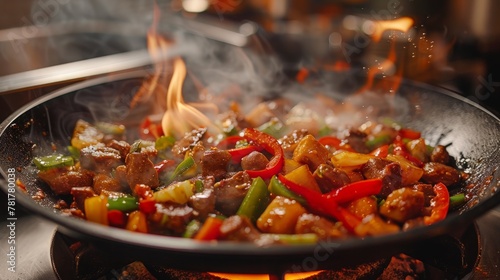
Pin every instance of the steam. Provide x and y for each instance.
(216, 72)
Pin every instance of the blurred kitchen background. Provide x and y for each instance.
(450, 44)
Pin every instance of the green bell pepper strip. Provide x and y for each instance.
(74, 152)
(457, 200)
(277, 188)
(191, 229)
(294, 239)
(274, 127)
(255, 201)
(378, 141)
(271, 145)
(198, 186)
(125, 203)
(163, 142)
(53, 161)
(182, 167)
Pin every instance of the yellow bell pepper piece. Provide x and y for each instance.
(178, 192)
(137, 222)
(96, 209)
(303, 176)
(280, 216)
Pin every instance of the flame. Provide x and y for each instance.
(388, 85)
(401, 24)
(288, 276)
(178, 117)
(158, 47)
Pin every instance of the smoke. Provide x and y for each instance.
(217, 72)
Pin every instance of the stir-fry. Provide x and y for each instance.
(264, 184)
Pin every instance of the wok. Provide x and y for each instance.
(443, 117)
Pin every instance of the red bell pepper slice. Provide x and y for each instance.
(355, 191)
(381, 151)
(147, 206)
(229, 142)
(116, 218)
(409, 133)
(440, 204)
(335, 142)
(210, 230)
(322, 205)
(236, 153)
(149, 129)
(271, 145)
(143, 191)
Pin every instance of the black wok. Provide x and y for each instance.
(443, 118)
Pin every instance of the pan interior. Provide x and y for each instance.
(471, 134)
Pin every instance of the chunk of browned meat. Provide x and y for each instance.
(389, 172)
(215, 163)
(330, 178)
(403, 204)
(428, 192)
(121, 175)
(254, 161)
(187, 142)
(80, 194)
(140, 170)
(103, 182)
(289, 141)
(229, 193)
(435, 172)
(61, 180)
(122, 146)
(309, 151)
(240, 228)
(173, 217)
(440, 154)
(203, 203)
(100, 158)
(357, 139)
(323, 228)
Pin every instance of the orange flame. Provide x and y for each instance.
(402, 24)
(391, 85)
(178, 117)
(288, 276)
(158, 47)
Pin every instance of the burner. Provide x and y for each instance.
(445, 257)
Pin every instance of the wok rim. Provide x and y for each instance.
(92, 231)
